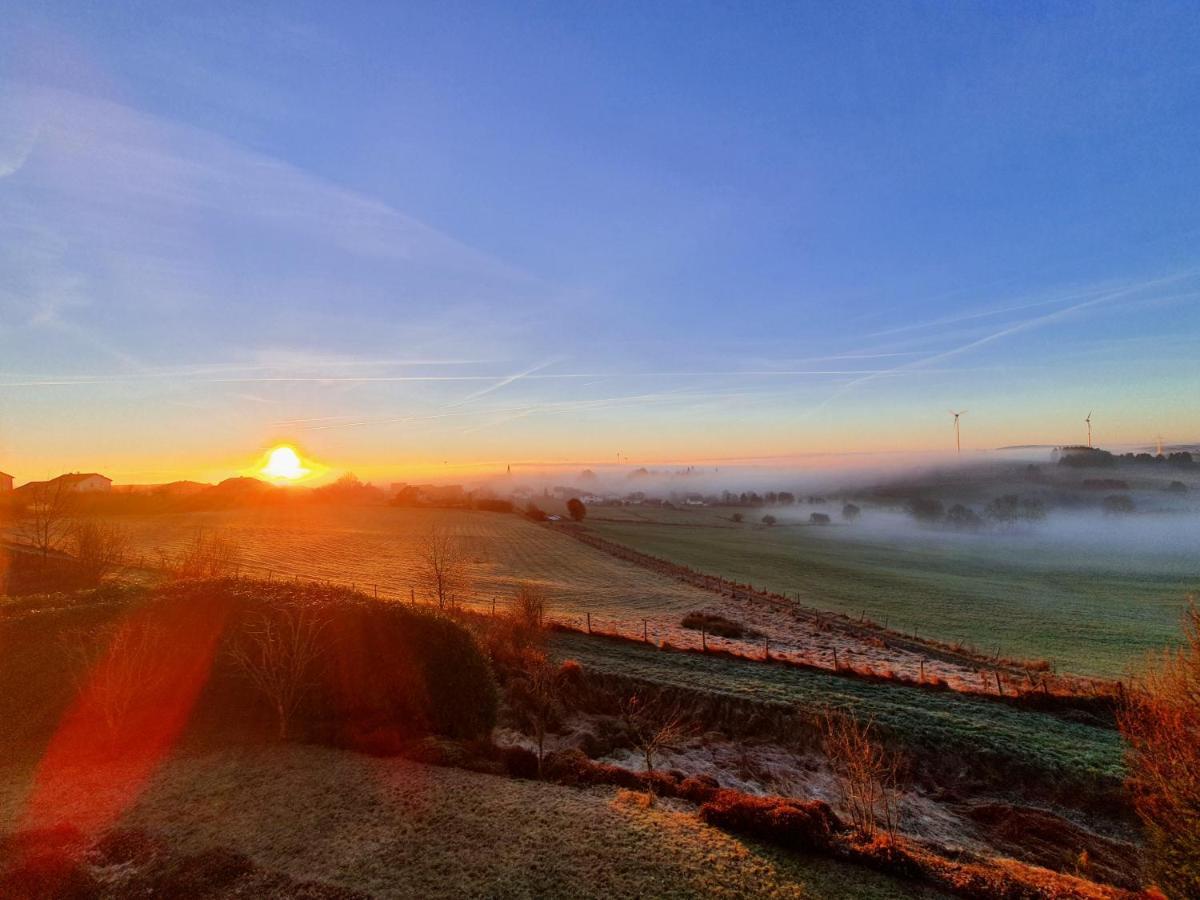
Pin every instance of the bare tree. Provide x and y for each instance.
(100, 548)
(209, 554)
(442, 565)
(1160, 720)
(529, 609)
(867, 774)
(279, 653)
(652, 727)
(46, 523)
(116, 666)
(539, 702)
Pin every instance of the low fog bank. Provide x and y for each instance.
(1167, 538)
(825, 474)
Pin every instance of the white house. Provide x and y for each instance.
(74, 483)
(85, 483)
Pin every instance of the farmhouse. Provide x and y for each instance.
(74, 483)
(6, 482)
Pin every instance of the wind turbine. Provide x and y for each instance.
(1089, 425)
(957, 438)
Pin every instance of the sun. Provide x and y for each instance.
(284, 463)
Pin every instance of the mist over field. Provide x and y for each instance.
(1170, 538)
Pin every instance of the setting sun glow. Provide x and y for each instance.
(285, 464)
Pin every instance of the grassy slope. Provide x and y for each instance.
(398, 829)
(927, 719)
(1091, 613)
(370, 546)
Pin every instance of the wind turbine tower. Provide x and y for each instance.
(1089, 425)
(957, 437)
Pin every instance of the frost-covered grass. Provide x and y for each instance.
(1093, 601)
(988, 732)
(393, 828)
(377, 547)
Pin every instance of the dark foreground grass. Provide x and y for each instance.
(988, 733)
(394, 828)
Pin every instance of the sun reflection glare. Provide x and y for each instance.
(285, 463)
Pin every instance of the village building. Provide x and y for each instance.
(74, 482)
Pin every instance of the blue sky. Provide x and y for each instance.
(459, 234)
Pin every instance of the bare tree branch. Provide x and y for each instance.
(442, 565)
(47, 522)
(278, 653)
(867, 774)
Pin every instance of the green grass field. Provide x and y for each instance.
(983, 730)
(1090, 610)
(378, 546)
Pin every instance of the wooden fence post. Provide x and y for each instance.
(703, 639)
(835, 659)
(589, 623)
(645, 632)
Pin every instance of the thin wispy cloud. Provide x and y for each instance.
(1095, 298)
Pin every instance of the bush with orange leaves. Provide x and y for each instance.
(867, 774)
(1161, 723)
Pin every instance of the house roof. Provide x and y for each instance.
(76, 477)
(5, 475)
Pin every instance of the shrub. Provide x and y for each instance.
(866, 774)
(818, 519)
(925, 509)
(699, 788)
(570, 671)
(520, 762)
(961, 516)
(210, 554)
(99, 549)
(851, 511)
(768, 520)
(529, 608)
(1161, 722)
(798, 824)
(713, 624)
(1010, 509)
